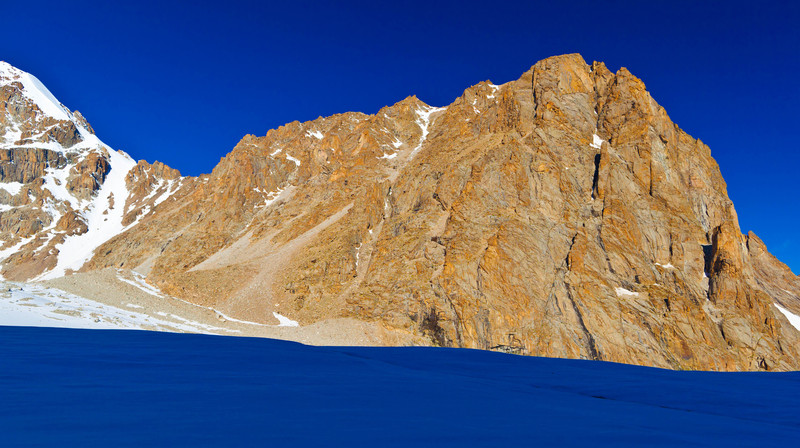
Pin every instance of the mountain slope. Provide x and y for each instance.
(561, 214)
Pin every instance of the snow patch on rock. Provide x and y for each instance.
(794, 319)
(622, 292)
(296, 161)
(12, 188)
(284, 321)
(316, 134)
(29, 305)
(103, 218)
(34, 90)
(423, 122)
(597, 142)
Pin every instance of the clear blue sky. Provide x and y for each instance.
(182, 82)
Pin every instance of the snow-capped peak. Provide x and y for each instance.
(102, 212)
(34, 90)
(48, 108)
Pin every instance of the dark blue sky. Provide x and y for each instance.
(182, 82)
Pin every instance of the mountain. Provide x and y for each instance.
(562, 214)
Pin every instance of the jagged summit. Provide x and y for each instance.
(63, 192)
(560, 214)
(34, 90)
(34, 118)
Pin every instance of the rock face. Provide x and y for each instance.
(561, 214)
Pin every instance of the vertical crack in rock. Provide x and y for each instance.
(590, 344)
(596, 175)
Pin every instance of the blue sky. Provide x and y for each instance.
(182, 82)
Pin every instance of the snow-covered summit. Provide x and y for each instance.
(37, 118)
(34, 90)
(59, 174)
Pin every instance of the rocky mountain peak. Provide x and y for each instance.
(63, 191)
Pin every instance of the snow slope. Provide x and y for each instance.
(31, 305)
(103, 217)
(35, 91)
(793, 319)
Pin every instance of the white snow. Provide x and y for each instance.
(37, 93)
(170, 191)
(55, 180)
(276, 152)
(388, 156)
(270, 198)
(794, 319)
(232, 319)
(296, 162)
(423, 123)
(139, 282)
(165, 193)
(11, 187)
(622, 292)
(284, 321)
(316, 134)
(34, 90)
(103, 220)
(596, 141)
(494, 90)
(666, 266)
(25, 304)
(397, 143)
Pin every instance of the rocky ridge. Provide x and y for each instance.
(560, 214)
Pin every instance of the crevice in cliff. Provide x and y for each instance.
(591, 347)
(571, 243)
(708, 258)
(596, 175)
(440, 201)
(430, 327)
(722, 332)
(442, 295)
(457, 322)
(603, 247)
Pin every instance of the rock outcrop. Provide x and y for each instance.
(561, 214)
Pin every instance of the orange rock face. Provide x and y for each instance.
(561, 214)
